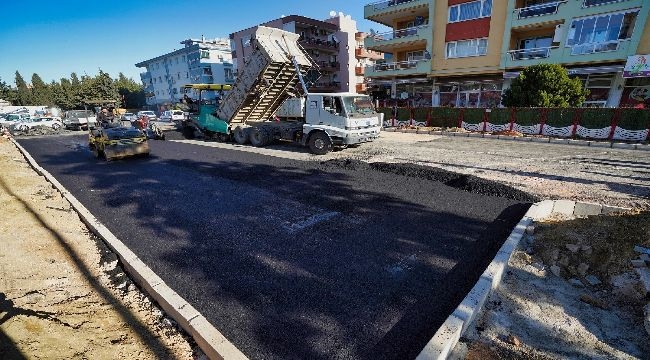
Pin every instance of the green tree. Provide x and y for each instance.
(23, 94)
(41, 93)
(76, 92)
(131, 93)
(65, 95)
(545, 85)
(6, 93)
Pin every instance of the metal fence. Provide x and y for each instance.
(590, 123)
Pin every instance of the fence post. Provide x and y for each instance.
(513, 113)
(410, 115)
(648, 135)
(460, 118)
(485, 119)
(429, 116)
(615, 118)
(542, 121)
(577, 117)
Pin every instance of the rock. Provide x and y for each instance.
(593, 301)
(564, 260)
(538, 266)
(582, 269)
(646, 258)
(555, 254)
(572, 247)
(586, 249)
(555, 270)
(644, 276)
(577, 283)
(638, 263)
(646, 321)
(511, 339)
(530, 229)
(592, 280)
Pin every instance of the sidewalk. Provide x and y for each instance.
(62, 293)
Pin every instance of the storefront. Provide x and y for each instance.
(636, 91)
(473, 93)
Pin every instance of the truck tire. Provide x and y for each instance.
(241, 135)
(320, 143)
(188, 132)
(259, 136)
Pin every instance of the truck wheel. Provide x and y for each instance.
(241, 135)
(320, 143)
(259, 137)
(188, 132)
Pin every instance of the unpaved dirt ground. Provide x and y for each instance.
(62, 294)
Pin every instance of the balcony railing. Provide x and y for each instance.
(534, 53)
(592, 48)
(398, 34)
(399, 65)
(361, 87)
(539, 10)
(381, 5)
(370, 54)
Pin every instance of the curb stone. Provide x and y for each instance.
(209, 339)
(447, 336)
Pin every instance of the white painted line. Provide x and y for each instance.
(309, 222)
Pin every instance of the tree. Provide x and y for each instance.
(6, 93)
(23, 95)
(545, 85)
(132, 93)
(41, 93)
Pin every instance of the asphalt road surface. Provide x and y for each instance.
(297, 259)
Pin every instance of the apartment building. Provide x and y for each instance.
(366, 59)
(198, 61)
(593, 39)
(477, 47)
(330, 43)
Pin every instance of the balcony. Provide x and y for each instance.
(534, 53)
(361, 88)
(541, 13)
(329, 66)
(318, 44)
(386, 42)
(399, 68)
(384, 12)
(368, 54)
(325, 86)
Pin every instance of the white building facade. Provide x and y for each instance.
(204, 61)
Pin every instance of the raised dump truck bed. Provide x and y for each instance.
(268, 78)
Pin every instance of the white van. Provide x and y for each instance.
(173, 115)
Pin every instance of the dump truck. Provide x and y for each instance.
(270, 101)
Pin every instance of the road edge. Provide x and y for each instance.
(209, 339)
(447, 336)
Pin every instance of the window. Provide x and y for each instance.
(470, 10)
(588, 3)
(465, 48)
(205, 54)
(600, 33)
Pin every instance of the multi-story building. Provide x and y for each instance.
(405, 73)
(199, 61)
(478, 46)
(593, 39)
(329, 43)
(365, 59)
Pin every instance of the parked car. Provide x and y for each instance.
(129, 117)
(176, 116)
(149, 114)
(79, 119)
(46, 121)
(11, 119)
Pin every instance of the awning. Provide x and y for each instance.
(577, 71)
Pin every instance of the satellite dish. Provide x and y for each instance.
(332, 13)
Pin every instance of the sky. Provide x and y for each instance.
(56, 38)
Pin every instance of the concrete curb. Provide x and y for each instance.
(209, 339)
(562, 141)
(448, 335)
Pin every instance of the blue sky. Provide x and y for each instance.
(56, 38)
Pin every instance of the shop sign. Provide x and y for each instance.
(637, 66)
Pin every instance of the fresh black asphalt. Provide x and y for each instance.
(291, 259)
